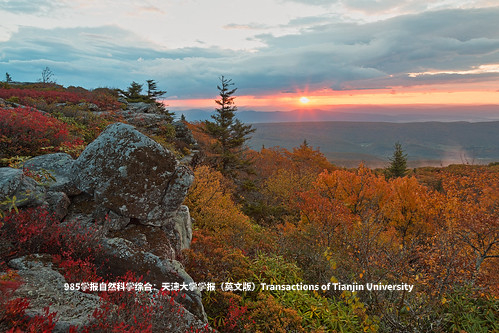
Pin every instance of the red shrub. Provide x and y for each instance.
(49, 96)
(77, 270)
(32, 230)
(236, 317)
(36, 97)
(28, 132)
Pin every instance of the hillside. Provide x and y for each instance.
(369, 113)
(426, 143)
(135, 223)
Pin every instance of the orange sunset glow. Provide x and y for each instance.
(282, 101)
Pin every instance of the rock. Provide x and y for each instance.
(177, 188)
(150, 239)
(59, 165)
(132, 175)
(122, 99)
(142, 107)
(58, 203)
(89, 106)
(13, 183)
(183, 227)
(44, 286)
(183, 133)
(147, 120)
(123, 256)
(10, 180)
(114, 221)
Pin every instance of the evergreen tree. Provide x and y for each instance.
(230, 133)
(8, 78)
(153, 94)
(398, 162)
(133, 94)
(152, 90)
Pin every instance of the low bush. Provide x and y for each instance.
(28, 132)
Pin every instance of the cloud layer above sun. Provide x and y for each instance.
(267, 47)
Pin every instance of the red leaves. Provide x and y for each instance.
(32, 229)
(32, 96)
(28, 132)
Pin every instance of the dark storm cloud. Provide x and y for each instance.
(444, 40)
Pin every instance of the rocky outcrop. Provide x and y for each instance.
(132, 187)
(142, 107)
(183, 227)
(145, 115)
(183, 133)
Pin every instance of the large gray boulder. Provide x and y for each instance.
(44, 286)
(132, 175)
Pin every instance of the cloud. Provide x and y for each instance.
(250, 26)
(315, 2)
(455, 45)
(30, 6)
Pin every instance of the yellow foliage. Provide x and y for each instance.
(210, 201)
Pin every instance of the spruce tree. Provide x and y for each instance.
(229, 133)
(153, 94)
(398, 162)
(134, 94)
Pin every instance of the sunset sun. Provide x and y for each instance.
(304, 100)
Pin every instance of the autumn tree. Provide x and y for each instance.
(229, 133)
(398, 162)
(472, 200)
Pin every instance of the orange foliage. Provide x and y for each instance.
(472, 202)
(210, 201)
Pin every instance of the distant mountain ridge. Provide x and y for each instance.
(349, 143)
(368, 113)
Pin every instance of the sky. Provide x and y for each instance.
(333, 52)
